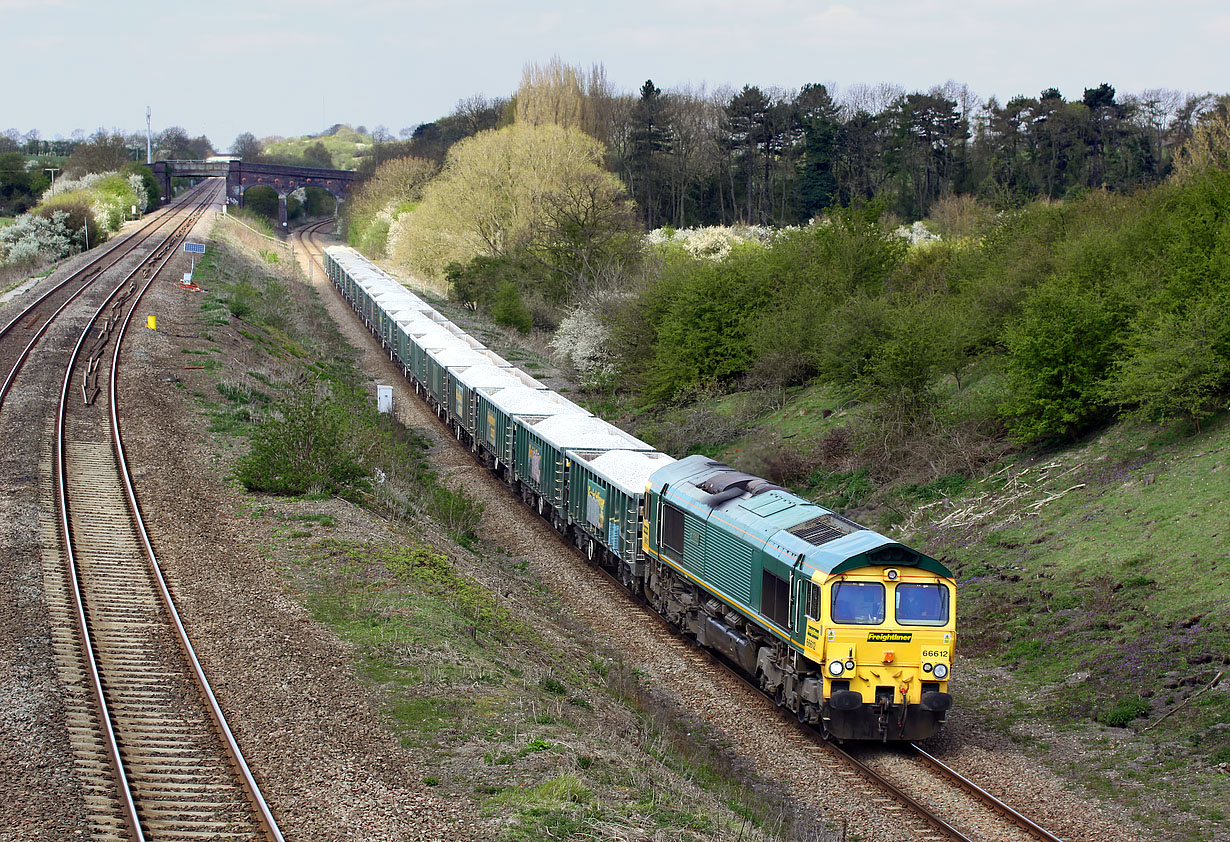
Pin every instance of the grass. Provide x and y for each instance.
(1103, 586)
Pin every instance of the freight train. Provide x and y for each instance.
(850, 630)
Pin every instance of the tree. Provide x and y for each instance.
(1209, 144)
(494, 194)
(587, 236)
(317, 155)
(104, 153)
(19, 187)
(563, 95)
(648, 139)
(174, 144)
(927, 134)
(374, 203)
(748, 118)
(247, 147)
(816, 187)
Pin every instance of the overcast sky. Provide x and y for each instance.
(291, 67)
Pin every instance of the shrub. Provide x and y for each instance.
(509, 310)
(308, 443)
(584, 340)
(456, 511)
(1176, 365)
(1059, 351)
(553, 686)
(36, 237)
(1124, 711)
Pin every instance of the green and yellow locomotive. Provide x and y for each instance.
(849, 629)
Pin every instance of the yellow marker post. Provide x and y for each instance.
(151, 323)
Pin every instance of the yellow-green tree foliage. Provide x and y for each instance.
(393, 189)
(563, 95)
(1209, 146)
(495, 195)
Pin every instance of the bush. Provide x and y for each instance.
(35, 238)
(307, 444)
(1176, 364)
(1124, 711)
(457, 512)
(1059, 351)
(509, 310)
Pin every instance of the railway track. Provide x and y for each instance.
(156, 756)
(919, 795)
(21, 334)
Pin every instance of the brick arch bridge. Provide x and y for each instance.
(241, 176)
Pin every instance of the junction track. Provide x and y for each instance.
(155, 754)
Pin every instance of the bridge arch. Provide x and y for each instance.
(241, 175)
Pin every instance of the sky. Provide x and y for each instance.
(292, 67)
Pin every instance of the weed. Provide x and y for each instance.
(1124, 711)
(553, 686)
(534, 746)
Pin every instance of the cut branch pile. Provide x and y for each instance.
(1009, 496)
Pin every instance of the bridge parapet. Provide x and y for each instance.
(240, 176)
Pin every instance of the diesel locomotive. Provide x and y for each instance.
(850, 630)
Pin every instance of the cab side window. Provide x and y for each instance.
(811, 600)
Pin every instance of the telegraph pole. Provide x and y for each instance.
(149, 139)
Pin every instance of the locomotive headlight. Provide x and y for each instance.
(926, 668)
(941, 671)
(850, 664)
(836, 668)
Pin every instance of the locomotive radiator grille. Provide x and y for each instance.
(821, 530)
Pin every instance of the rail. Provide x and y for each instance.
(262, 815)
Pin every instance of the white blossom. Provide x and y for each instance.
(33, 238)
(138, 186)
(916, 234)
(584, 341)
(713, 242)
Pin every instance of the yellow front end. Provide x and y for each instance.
(885, 639)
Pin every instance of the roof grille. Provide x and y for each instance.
(821, 530)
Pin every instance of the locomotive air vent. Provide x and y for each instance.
(730, 479)
(821, 530)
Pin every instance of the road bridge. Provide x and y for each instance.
(241, 176)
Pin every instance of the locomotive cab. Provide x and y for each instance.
(885, 638)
